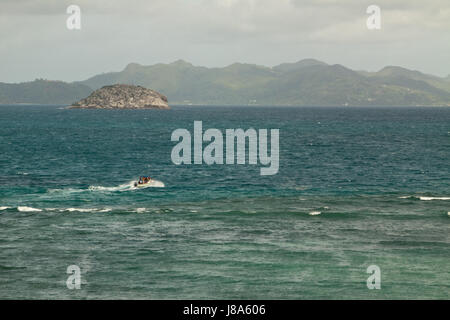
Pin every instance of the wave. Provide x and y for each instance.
(86, 210)
(81, 209)
(28, 209)
(78, 210)
(424, 198)
(433, 198)
(314, 213)
(31, 209)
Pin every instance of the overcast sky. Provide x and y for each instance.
(35, 42)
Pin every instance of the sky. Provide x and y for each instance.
(36, 43)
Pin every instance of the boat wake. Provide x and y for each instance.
(151, 184)
(122, 187)
(128, 186)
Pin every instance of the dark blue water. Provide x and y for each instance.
(356, 187)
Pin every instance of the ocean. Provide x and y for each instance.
(356, 187)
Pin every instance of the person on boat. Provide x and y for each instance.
(144, 180)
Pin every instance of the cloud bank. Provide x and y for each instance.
(36, 43)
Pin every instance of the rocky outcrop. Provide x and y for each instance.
(122, 96)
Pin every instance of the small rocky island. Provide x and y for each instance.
(123, 96)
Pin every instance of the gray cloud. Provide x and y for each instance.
(36, 43)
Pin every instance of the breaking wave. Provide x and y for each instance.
(28, 209)
(433, 198)
(85, 210)
(424, 198)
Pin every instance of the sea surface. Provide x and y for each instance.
(356, 187)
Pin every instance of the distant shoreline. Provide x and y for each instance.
(308, 82)
(67, 106)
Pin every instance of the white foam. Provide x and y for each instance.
(433, 198)
(79, 210)
(423, 198)
(66, 190)
(128, 186)
(157, 184)
(140, 210)
(314, 213)
(28, 209)
(151, 184)
(86, 210)
(4, 208)
(122, 187)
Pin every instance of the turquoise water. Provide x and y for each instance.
(380, 178)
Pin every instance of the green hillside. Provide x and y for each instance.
(304, 83)
(42, 92)
(307, 82)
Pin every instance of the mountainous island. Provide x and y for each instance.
(122, 96)
(42, 91)
(307, 82)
